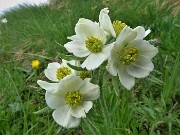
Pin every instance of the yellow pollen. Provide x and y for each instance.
(73, 98)
(93, 44)
(128, 55)
(62, 72)
(35, 63)
(118, 26)
(84, 74)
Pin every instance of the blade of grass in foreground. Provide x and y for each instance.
(170, 85)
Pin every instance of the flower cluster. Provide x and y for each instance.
(70, 92)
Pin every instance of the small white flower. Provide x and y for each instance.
(4, 20)
(131, 57)
(55, 71)
(89, 41)
(71, 98)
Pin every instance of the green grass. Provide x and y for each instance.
(152, 107)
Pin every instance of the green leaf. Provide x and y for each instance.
(76, 68)
(61, 47)
(155, 80)
(27, 70)
(115, 83)
(105, 78)
(69, 57)
(44, 110)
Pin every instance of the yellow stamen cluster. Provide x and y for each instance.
(93, 44)
(35, 64)
(118, 26)
(84, 74)
(62, 72)
(73, 98)
(128, 55)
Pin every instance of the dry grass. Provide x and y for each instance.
(172, 5)
(59, 4)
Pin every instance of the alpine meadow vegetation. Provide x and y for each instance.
(107, 67)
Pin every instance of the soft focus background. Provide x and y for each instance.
(39, 32)
(8, 4)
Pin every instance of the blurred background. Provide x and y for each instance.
(8, 4)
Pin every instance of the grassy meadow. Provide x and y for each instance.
(150, 108)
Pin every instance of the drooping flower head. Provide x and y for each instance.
(112, 29)
(131, 56)
(90, 42)
(71, 98)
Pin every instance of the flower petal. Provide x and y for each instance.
(87, 105)
(112, 67)
(50, 87)
(107, 49)
(137, 71)
(144, 47)
(126, 80)
(86, 28)
(94, 60)
(90, 91)
(144, 63)
(126, 35)
(147, 32)
(77, 48)
(82, 109)
(113, 60)
(69, 83)
(53, 100)
(50, 71)
(105, 22)
(64, 118)
(74, 37)
(140, 32)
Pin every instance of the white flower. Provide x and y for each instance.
(55, 71)
(89, 42)
(131, 57)
(71, 98)
(114, 28)
(4, 20)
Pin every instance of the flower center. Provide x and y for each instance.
(84, 74)
(73, 98)
(62, 72)
(128, 55)
(118, 26)
(93, 44)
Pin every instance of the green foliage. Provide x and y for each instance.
(32, 32)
